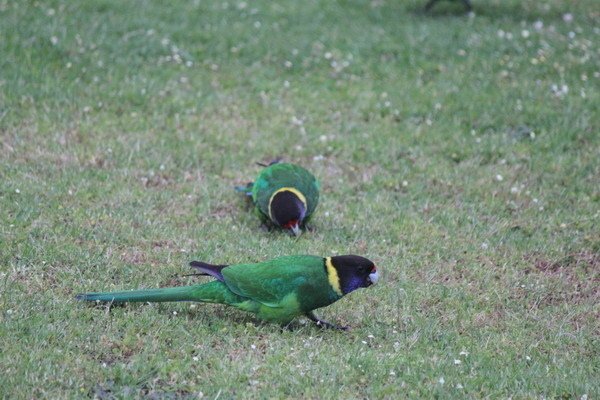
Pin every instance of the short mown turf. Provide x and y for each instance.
(459, 152)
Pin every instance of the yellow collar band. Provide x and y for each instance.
(332, 276)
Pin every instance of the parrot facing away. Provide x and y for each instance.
(285, 194)
(276, 290)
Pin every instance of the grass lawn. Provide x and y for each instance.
(460, 153)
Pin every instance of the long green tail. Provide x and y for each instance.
(211, 292)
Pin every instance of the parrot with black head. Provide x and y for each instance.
(276, 290)
(285, 195)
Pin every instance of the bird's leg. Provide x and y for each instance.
(266, 227)
(324, 324)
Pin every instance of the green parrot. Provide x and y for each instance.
(276, 290)
(285, 194)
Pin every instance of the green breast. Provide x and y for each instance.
(284, 175)
(285, 287)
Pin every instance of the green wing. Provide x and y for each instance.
(270, 281)
(282, 175)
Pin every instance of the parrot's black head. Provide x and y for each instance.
(351, 273)
(288, 209)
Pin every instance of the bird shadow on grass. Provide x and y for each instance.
(494, 11)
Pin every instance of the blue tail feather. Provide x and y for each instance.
(247, 190)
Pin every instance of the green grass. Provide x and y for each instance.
(444, 154)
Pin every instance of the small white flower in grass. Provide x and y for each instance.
(328, 56)
(287, 64)
(538, 25)
(174, 312)
(392, 373)
(195, 358)
(323, 138)
(104, 365)
(87, 109)
(320, 157)
(528, 358)
(459, 386)
(404, 183)
(525, 33)
(192, 306)
(499, 178)
(17, 191)
(326, 213)
(463, 353)
(563, 225)
(501, 34)
(286, 84)
(50, 12)
(363, 341)
(54, 40)
(9, 312)
(568, 17)
(257, 24)
(371, 336)
(441, 381)
(457, 362)
(484, 246)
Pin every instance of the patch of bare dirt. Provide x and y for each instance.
(574, 278)
(134, 256)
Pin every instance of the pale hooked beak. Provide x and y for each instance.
(296, 230)
(374, 277)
